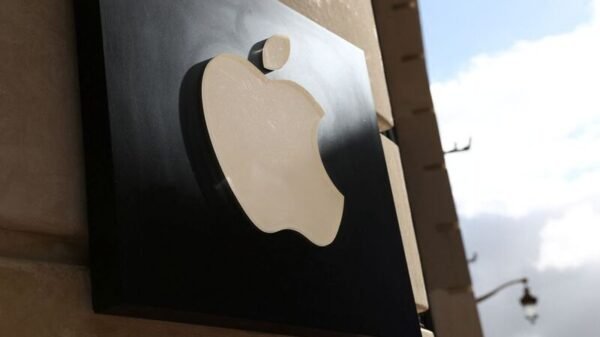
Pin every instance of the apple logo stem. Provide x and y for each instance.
(264, 135)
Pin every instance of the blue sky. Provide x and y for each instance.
(522, 78)
(457, 30)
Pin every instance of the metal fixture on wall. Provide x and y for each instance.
(473, 258)
(461, 149)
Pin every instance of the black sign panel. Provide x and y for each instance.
(168, 238)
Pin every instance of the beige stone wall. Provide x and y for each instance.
(395, 172)
(41, 163)
(447, 278)
(44, 285)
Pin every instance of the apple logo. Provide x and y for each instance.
(264, 135)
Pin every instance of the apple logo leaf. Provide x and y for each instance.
(276, 52)
(264, 135)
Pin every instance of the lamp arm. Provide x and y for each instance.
(499, 288)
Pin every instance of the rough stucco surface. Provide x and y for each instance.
(399, 32)
(353, 20)
(459, 313)
(41, 165)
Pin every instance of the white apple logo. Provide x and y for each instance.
(264, 134)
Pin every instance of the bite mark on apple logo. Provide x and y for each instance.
(264, 135)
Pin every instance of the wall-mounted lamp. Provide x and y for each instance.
(528, 301)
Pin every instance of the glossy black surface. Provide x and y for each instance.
(167, 238)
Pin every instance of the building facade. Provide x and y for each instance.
(44, 275)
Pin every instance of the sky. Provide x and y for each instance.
(522, 78)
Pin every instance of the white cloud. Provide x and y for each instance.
(571, 240)
(534, 114)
